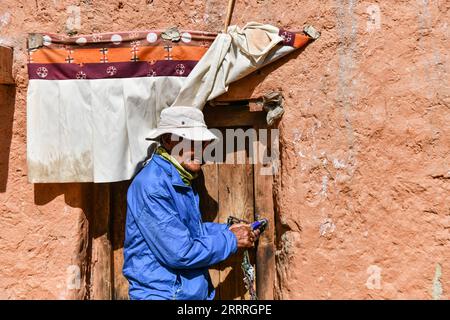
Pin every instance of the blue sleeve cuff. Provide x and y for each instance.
(224, 226)
(214, 227)
(232, 240)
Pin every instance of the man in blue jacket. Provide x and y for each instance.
(168, 248)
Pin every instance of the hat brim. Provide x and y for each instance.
(193, 134)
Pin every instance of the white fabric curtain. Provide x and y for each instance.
(232, 56)
(94, 130)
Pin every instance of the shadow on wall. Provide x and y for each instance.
(76, 195)
(244, 88)
(7, 100)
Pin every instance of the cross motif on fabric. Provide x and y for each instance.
(104, 52)
(134, 52)
(69, 58)
(168, 48)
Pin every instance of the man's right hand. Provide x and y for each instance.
(244, 235)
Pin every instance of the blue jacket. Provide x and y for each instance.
(168, 248)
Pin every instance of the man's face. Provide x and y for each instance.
(188, 153)
(192, 155)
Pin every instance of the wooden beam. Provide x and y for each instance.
(207, 187)
(101, 268)
(118, 219)
(231, 116)
(236, 199)
(230, 8)
(7, 104)
(264, 207)
(6, 61)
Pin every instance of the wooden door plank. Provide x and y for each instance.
(7, 101)
(235, 198)
(101, 273)
(207, 187)
(119, 213)
(264, 208)
(6, 60)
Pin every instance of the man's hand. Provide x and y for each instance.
(245, 236)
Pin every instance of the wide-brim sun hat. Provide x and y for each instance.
(185, 122)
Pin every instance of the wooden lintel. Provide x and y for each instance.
(231, 116)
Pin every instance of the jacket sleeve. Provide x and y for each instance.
(171, 242)
(213, 228)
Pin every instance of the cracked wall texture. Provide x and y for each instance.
(363, 193)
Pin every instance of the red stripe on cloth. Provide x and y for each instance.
(68, 71)
(288, 37)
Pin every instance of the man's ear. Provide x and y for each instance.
(163, 140)
(167, 141)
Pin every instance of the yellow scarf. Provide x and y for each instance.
(186, 176)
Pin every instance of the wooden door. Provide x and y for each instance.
(241, 191)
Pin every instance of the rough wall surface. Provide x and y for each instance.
(363, 192)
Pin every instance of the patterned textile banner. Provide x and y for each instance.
(92, 98)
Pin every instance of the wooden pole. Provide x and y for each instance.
(6, 61)
(229, 14)
(101, 272)
(264, 207)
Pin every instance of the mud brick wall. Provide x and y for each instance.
(362, 196)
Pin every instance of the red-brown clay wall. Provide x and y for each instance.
(363, 192)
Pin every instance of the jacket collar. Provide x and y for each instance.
(170, 170)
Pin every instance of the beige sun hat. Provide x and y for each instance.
(185, 122)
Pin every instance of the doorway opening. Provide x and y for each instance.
(237, 189)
